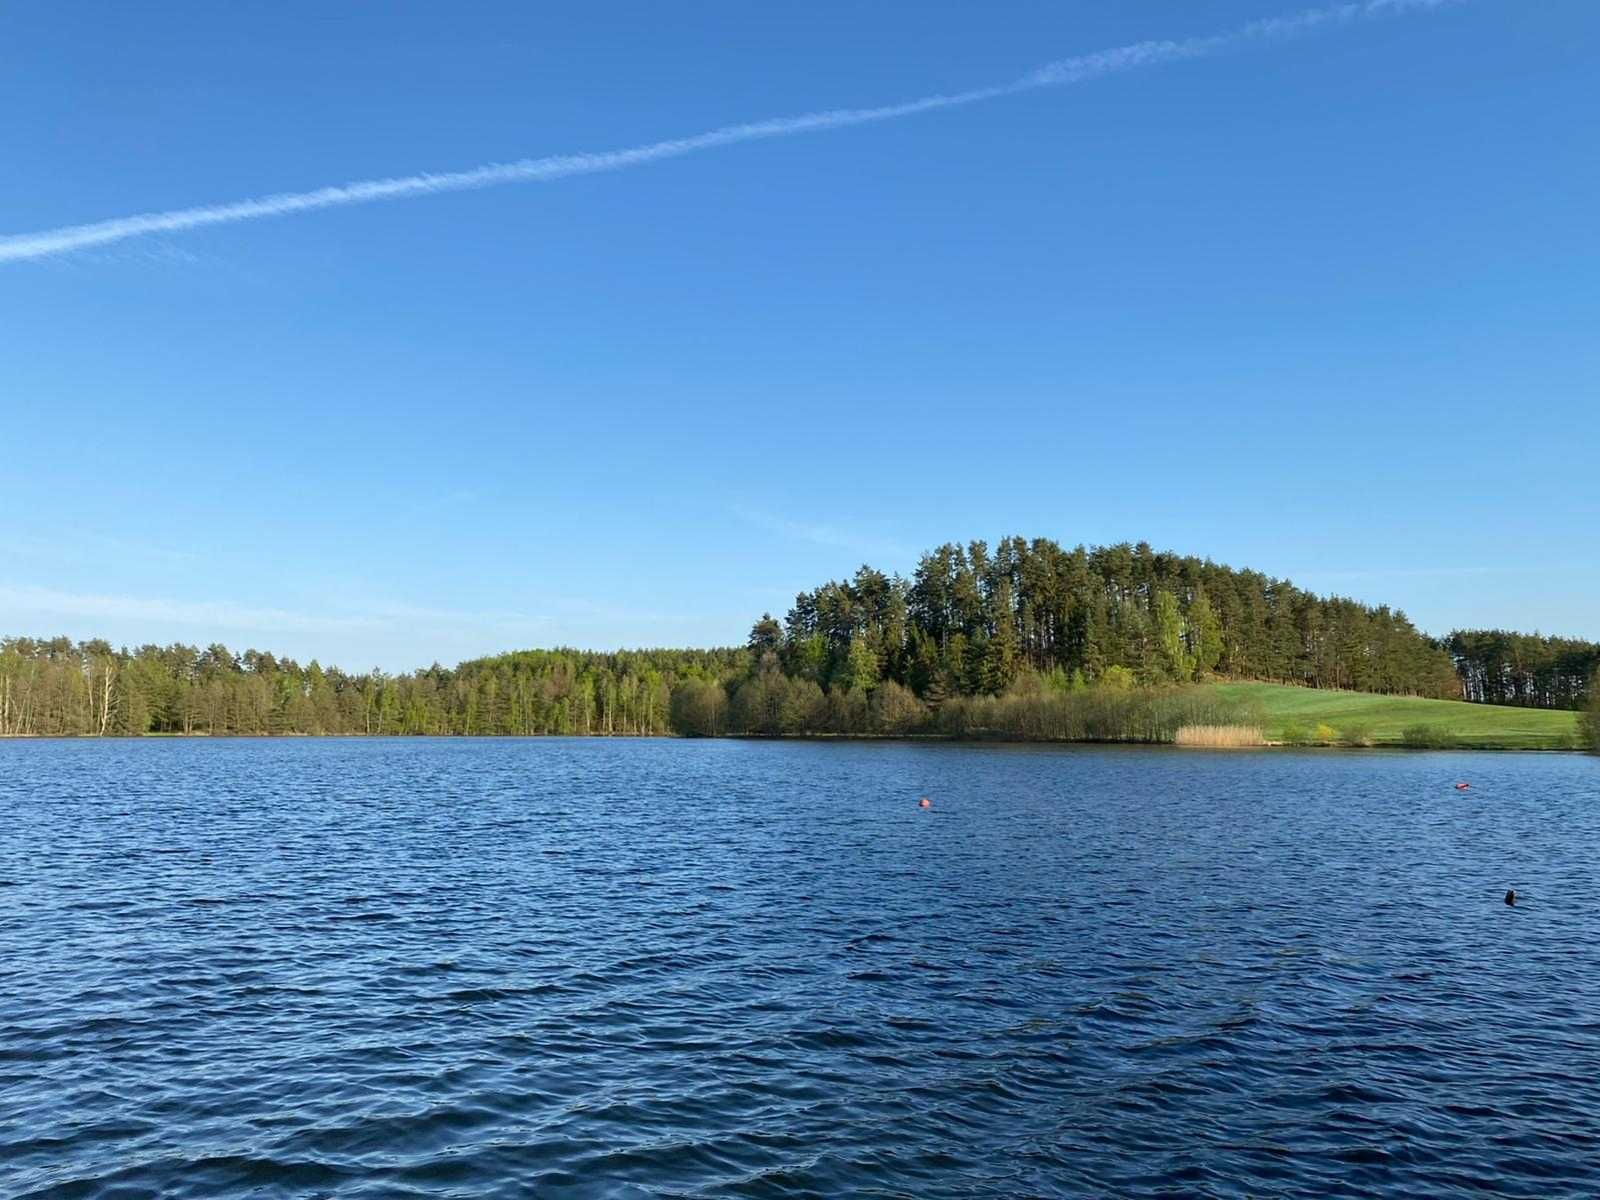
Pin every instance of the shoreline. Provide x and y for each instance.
(976, 739)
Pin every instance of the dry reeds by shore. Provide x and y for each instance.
(1219, 737)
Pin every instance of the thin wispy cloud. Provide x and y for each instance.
(1067, 72)
(566, 618)
(87, 547)
(823, 535)
(221, 616)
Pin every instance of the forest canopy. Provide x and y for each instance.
(1025, 639)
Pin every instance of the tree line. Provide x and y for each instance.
(1025, 639)
(1499, 667)
(58, 687)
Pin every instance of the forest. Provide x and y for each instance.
(1497, 667)
(58, 687)
(1024, 639)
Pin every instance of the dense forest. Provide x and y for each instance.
(1026, 639)
(970, 620)
(1497, 667)
(58, 687)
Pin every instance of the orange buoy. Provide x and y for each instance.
(1461, 787)
(924, 803)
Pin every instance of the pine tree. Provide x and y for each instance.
(1000, 659)
(766, 636)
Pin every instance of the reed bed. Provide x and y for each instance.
(1150, 715)
(1220, 737)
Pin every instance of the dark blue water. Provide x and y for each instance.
(581, 968)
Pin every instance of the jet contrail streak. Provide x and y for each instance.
(1082, 69)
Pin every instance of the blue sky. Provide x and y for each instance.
(1323, 306)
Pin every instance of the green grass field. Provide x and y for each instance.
(1292, 714)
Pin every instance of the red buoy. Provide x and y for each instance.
(1461, 787)
(924, 803)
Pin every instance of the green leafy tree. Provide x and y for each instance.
(809, 658)
(861, 667)
(804, 708)
(758, 703)
(847, 711)
(699, 707)
(1057, 681)
(894, 709)
(1205, 635)
(1117, 679)
(1175, 661)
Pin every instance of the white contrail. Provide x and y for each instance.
(48, 242)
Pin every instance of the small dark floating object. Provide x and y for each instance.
(1511, 898)
(1461, 787)
(924, 803)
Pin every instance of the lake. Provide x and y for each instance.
(573, 968)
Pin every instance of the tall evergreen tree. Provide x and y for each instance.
(766, 637)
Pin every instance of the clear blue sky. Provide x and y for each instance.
(1326, 308)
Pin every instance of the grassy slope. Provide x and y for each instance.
(1478, 726)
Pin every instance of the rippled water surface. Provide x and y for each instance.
(588, 968)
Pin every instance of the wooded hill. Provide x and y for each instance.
(1123, 628)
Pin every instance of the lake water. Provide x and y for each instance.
(588, 968)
